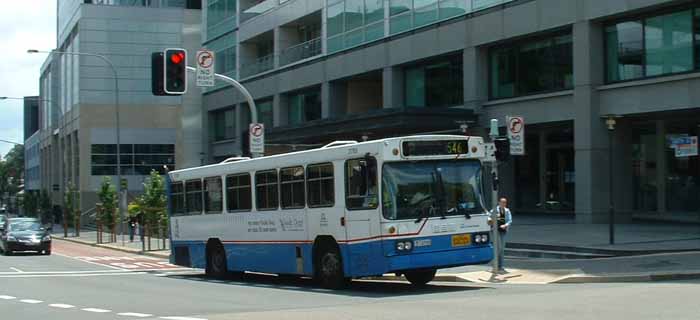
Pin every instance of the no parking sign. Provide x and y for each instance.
(516, 135)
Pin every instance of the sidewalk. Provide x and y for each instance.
(89, 237)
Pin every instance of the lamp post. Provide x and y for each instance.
(610, 122)
(116, 106)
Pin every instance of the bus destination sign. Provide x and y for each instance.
(435, 148)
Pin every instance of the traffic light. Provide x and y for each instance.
(169, 72)
(175, 71)
(502, 149)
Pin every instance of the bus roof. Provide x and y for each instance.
(305, 156)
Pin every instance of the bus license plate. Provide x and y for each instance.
(461, 240)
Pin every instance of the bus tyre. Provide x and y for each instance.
(329, 271)
(216, 262)
(420, 277)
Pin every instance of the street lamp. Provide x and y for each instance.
(116, 105)
(610, 122)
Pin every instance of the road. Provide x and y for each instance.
(82, 282)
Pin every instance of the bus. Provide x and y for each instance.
(406, 205)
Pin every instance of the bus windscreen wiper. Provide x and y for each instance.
(442, 196)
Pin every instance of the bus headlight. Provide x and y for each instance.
(400, 246)
(408, 245)
(484, 238)
(404, 246)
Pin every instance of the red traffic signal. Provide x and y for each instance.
(175, 71)
(177, 57)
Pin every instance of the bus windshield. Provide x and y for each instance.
(413, 190)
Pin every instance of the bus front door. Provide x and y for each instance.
(361, 214)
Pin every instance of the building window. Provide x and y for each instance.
(213, 196)
(136, 159)
(238, 195)
(531, 66)
(320, 182)
(435, 84)
(652, 46)
(353, 22)
(266, 190)
(177, 199)
(304, 107)
(224, 49)
(292, 185)
(193, 197)
(221, 17)
(223, 125)
(361, 184)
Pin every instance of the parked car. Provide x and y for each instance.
(3, 218)
(25, 234)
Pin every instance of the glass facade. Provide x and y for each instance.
(353, 22)
(652, 46)
(221, 17)
(435, 84)
(225, 51)
(136, 159)
(222, 125)
(265, 113)
(532, 66)
(304, 107)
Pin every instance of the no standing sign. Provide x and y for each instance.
(516, 135)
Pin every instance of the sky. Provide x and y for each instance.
(26, 24)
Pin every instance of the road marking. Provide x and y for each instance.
(30, 301)
(96, 310)
(7, 298)
(63, 272)
(95, 263)
(181, 318)
(16, 270)
(134, 314)
(61, 306)
(126, 273)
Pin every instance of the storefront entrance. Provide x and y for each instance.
(545, 178)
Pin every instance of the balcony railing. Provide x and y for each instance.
(301, 51)
(258, 9)
(261, 64)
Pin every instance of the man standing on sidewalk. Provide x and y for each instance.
(504, 220)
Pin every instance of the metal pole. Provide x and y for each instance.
(244, 91)
(612, 201)
(495, 236)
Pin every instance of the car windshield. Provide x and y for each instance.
(25, 226)
(430, 188)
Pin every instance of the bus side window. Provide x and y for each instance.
(177, 199)
(320, 183)
(238, 195)
(193, 197)
(361, 183)
(213, 197)
(267, 197)
(292, 187)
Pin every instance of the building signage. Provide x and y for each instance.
(205, 68)
(516, 135)
(686, 146)
(257, 138)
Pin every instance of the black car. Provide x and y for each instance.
(25, 234)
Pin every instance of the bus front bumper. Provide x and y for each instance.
(440, 259)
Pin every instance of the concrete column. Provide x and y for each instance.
(590, 135)
(279, 108)
(661, 166)
(276, 46)
(475, 85)
(392, 87)
(542, 135)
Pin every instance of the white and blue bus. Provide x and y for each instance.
(408, 205)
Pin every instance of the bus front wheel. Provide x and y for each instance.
(329, 271)
(420, 277)
(216, 262)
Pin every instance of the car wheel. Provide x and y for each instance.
(329, 271)
(420, 277)
(46, 252)
(8, 252)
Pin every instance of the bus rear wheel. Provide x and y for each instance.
(420, 277)
(216, 262)
(329, 270)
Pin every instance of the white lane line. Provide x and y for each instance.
(63, 272)
(61, 306)
(16, 270)
(7, 298)
(96, 310)
(182, 318)
(95, 263)
(31, 301)
(126, 273)
(134, 314)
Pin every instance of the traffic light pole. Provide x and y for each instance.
(244, 91)
(495, 235)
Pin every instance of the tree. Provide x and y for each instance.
(11, 172)
(153, 204)
(108, 199)
(71, 205)
(30, 203)
(45, 207)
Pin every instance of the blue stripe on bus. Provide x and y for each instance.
(359, 259)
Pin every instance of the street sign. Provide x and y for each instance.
(516, 135)
(205, 68)
(686, 146)
(256, 133)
